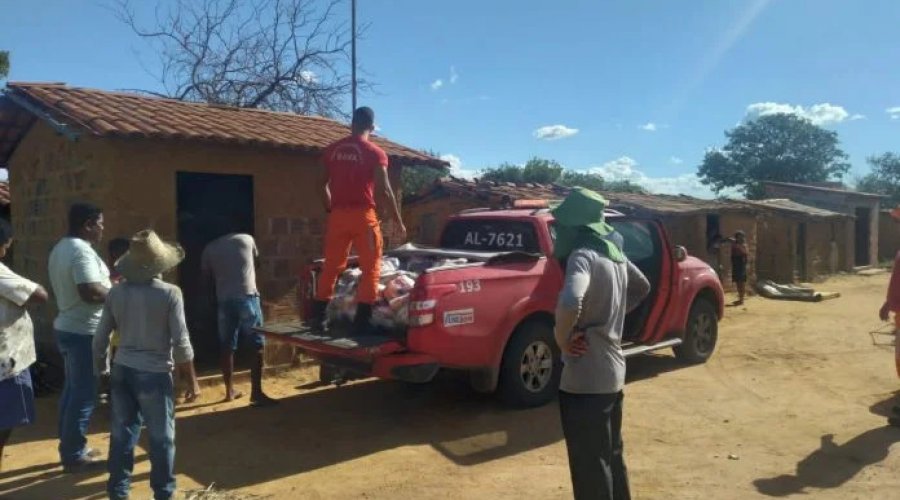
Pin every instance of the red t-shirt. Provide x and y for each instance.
(351, 164)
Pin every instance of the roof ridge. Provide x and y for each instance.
(139, 94)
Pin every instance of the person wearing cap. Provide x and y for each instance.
(354, 183)
(892, 305)
(148, 315)
(601, 286)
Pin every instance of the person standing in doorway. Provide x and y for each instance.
(601, 286)
(17, 352)
(739, 255)
(80, 282)
(354, 184)
(228, 263)
(148, 315)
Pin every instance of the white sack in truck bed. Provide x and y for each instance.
(398, 277)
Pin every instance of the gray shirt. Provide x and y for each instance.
(596, 296)
(230, 261)
(149, 318)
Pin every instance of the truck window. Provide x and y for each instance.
(638, 240)
(487, 235)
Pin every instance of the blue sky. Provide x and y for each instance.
(633, 89)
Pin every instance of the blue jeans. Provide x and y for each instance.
(78, 395)
(149, 397)
(237, 317)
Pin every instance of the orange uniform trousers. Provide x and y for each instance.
(360, 228)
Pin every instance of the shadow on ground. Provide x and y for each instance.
(832, 464)
(240, 447)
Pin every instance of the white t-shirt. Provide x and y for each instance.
(16, 331)
(74, 262)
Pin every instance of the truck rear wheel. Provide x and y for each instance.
(529, 372)
(701, 333)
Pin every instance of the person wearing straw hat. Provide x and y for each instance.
(148, 315)
(601, 286)
(892, 305)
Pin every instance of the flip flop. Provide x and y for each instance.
(237, 395)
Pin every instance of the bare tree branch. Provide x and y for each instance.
(284, 55)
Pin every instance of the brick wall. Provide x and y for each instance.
(48, 173)
(888, 237)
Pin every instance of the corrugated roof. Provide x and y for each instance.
(809, 187)
(793, 208)
(490, 192)
(120, 114)
(651, 204)
(661, 204)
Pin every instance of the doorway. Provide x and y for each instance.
(204, 200)
(800, 253)
(862, 236)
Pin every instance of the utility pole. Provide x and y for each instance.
(353, 51)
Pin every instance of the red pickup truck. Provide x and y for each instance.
(491, 314)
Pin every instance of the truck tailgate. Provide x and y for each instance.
(333, 345)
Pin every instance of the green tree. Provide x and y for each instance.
(780, 147)
(4, 64)
(416, 178)
(537, 170)
(542, 171)
(884, 177)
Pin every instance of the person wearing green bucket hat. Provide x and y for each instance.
(601, 286)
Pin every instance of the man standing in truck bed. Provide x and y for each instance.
(354, 175)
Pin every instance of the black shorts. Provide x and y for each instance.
(739, 273)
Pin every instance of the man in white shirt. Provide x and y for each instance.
(80, 281)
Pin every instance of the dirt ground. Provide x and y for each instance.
(793, 403)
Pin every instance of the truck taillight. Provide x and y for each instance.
(423, 301)
(421, 312)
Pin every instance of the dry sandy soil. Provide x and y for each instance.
(792, 404)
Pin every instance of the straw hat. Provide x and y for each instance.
(148, 257)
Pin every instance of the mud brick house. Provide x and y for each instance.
(862, 235)
(800, 243)
(888, 236)
(693, 222)
(175, 167)
(425, 212)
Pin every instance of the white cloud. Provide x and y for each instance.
(819, 114)
(453, 75)
(553, 132)
(456, 167)
(649, 127)
(857, 116)
(676, 160)
(437, 84)
(453, 160)
(307, 76)
(626, 168)
(893, 112)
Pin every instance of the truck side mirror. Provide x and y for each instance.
(681, 253)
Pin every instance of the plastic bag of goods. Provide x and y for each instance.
(389, 265)
(451, 262)
(383, 316)
(401, 285)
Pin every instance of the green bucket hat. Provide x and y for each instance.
(583, 207)
(581, 223)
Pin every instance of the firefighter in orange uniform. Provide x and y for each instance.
(354, 177)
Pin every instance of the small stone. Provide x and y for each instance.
(733, 457)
